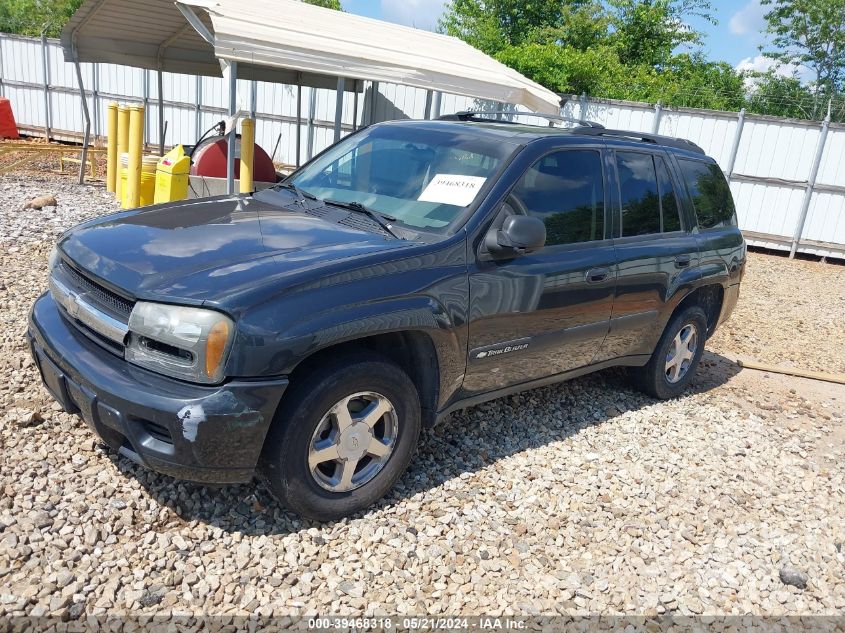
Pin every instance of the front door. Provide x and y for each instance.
(546, 312)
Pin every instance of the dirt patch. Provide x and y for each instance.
(791, 312)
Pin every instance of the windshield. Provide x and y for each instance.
(421, 176)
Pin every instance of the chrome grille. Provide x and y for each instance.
(106, 298)
(98, 313)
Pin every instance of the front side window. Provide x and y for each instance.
(710, 194)
(565, 190)
(421, 176)
(640, 196)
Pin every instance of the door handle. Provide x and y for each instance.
(682, 261)
(597, 275)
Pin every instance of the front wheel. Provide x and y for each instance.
(342, 438)
(676, 357)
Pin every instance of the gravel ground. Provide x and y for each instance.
(580, 498)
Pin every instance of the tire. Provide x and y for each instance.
(307, 454)
(660, 379)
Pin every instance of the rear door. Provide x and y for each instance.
(546, 312)
(655, 247)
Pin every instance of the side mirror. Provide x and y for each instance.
(519, 234)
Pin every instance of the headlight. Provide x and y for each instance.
(187, 343)
(53, 259)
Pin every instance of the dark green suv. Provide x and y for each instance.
(412, 269)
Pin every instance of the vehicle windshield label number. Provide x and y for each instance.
(452, 189)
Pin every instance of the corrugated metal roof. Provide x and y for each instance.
(287, 40)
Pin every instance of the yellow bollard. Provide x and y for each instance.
(111, 141)
(132, 199)
(247, 154)
(122, 145)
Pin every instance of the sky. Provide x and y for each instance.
(735, 39)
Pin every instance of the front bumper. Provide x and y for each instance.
(210, 434)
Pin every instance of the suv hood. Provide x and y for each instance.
(211, 250)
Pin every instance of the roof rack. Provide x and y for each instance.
(478, 115)
(666, 141)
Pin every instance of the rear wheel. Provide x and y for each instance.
(343, 437)
(676, 357)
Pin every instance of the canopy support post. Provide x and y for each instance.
(253, 98)
(374, 93)
(435, 106)
(233, 132)
(312, 108)
(45, 69)
(298, 160)
(160, 113)
(87, 138)
(429, 96)
(338, 112)
(355, 106)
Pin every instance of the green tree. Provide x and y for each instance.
(778, 95)
(648, 31)
(493, 25)
(32, 17)
(580, 25)
(810, 33)
(328, 4)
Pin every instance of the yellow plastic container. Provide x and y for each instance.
(172, 174)
(148, 179)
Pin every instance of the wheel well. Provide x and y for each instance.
(413, 351)
(708, 298)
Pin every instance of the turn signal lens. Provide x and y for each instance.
(215, 347)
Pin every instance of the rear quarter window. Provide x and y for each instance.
(710, 193)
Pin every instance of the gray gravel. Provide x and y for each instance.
(580, 498)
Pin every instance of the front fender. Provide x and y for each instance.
(279, 354)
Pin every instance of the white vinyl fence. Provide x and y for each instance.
(787, 177)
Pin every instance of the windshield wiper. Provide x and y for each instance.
(381, 219)
(300, 193)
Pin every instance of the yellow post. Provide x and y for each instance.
(111, 140)
(132, 199)
(247, 154)
(122, 145)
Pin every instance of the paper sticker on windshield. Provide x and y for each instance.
(452, 189)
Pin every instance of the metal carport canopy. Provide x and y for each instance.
(287, 41)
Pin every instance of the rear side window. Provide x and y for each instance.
(668, 199)
(710, 194)
(565, 190)
(640, 197)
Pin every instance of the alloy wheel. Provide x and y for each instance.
(353, 441)
(680, 354)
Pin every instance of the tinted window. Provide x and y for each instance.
(640, 198)
(710, 193)
(668, 199)
(566, 191)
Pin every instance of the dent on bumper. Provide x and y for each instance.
(195, 432)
